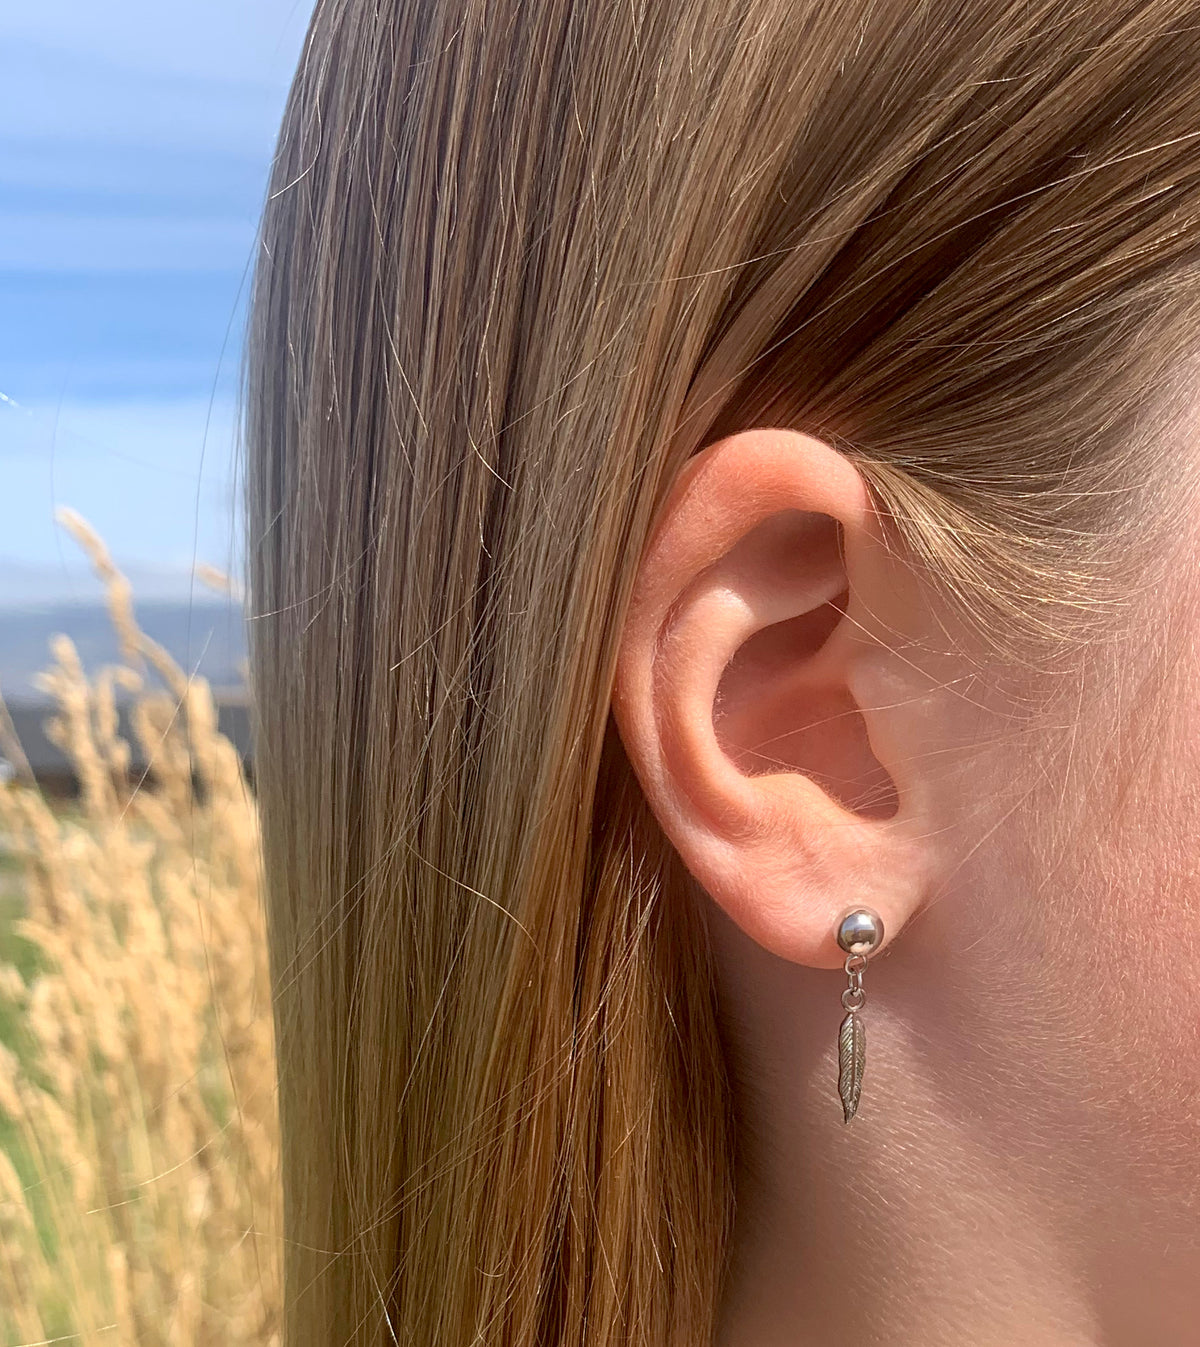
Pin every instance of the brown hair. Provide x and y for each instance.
(520, 259)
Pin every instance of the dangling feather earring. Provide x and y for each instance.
(859, 933)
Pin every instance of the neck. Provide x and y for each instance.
(961, 1205)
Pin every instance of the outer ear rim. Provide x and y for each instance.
(700, 522)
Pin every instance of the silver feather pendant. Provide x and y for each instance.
(852, 1058)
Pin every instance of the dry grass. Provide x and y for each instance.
(138, 1140)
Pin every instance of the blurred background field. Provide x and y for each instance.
(137, 1143)
(138, 1200)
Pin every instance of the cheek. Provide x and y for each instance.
(1115, 834)
(1146, 864)
(1140, 837)
(1068, 937)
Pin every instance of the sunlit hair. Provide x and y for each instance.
(521, 258)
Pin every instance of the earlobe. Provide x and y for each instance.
(746, 695)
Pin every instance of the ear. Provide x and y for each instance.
(777, 731)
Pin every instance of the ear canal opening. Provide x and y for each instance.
(774, 713)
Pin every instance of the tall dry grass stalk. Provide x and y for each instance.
(138, 1135)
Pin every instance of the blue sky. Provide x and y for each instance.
(135, 139)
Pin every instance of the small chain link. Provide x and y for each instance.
(854, 997)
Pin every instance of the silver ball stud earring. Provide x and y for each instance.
(859, 934)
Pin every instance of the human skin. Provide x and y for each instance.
(1025, 1165)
